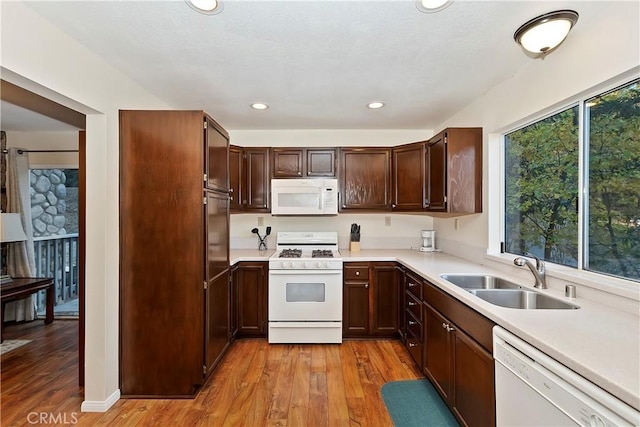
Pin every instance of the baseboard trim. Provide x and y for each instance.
(100, 405)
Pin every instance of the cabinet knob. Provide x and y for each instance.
(231, 190)
(357, 273)
(450, 328)
(411, 304)
(411, 322)
(412, 344)
(393, 206)
(231, 198)
(366, 286)
(299, 173)
(444, 325)
(411, 284)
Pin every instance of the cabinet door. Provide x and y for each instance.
(438, 352)
(236, 171)
(255, 192)
(321, 162)
(408, 177)
(287, 162)
(437, 167)
(233, 297)
(217, 320)
(385, 300)
(474, 390)
(365, 178)
(355, 319)
(252, 297)
(217, 156)
(402, 330)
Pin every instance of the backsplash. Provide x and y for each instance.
(403, 231)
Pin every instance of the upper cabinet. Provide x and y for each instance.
(303, 162)
(216, 156)
(249, 179)
(453, 171)
(408, 182)
(365, 178)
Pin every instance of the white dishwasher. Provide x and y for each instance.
(533, 389)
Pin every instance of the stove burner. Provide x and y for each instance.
(322, 253)
(290, 253)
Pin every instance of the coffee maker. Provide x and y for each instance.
(428, 241)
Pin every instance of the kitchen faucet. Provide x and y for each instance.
(538, 270)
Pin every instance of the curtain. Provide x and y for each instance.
(20, 255)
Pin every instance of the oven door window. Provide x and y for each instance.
(305, 292)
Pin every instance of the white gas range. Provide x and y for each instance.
(305, 288)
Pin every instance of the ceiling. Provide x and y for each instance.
(316, 63)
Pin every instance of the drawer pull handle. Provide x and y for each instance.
(411, 303)
(411, 285)
(411, 322)
(412, 344)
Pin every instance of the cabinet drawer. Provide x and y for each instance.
(414, 326)
(356, 272)
(415, 346)
(413, 284)
(414, 306)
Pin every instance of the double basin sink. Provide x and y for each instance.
(504, 293)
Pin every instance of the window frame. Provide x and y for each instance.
(497, 194)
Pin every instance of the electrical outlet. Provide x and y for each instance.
(387, 221)
(260, 221)
(456, 224)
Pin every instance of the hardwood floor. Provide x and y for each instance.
(256, 384)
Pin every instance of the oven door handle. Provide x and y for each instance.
(303, 272)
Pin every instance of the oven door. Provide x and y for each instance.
(305, 295)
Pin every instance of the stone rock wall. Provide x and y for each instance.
(48, 202)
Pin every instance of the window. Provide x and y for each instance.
(544, 212)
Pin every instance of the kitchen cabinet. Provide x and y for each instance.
(249, 179)
(216, 156)
(453, 171)
(408, 177)
(370, 300)
(458, 358)
(173, 253)
(233, 297)
(303, 162)
(250, 293)
(413, 317)
(365, 179)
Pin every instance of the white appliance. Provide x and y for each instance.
(533, 389)
(428, 241)
(304, 196)
(305, 289)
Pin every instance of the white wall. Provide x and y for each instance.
(42, 59)
(327, 137)
(585, 61)
(47, 141)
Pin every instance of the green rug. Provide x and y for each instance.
(416, 403)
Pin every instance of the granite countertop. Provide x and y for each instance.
(598, 342)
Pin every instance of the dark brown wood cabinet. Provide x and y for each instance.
(458, 358)
(249, 179)
(453, 171)
(408, 177)
(233, 307)
(171, 291)
(370, 306)
(216, 156)
(413, 317)
(365, 178)
(250, 299)
(303, 162)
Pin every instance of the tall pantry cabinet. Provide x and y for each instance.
(174, 251)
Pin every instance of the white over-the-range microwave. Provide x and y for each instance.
(304, 196)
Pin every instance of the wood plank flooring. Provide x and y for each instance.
(256, 384)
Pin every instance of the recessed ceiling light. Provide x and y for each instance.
(208, 7)
(375, 105)
(431, 6)
(259, 106)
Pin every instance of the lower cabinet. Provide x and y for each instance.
(370, 300)
(457, 357)
(249, 292)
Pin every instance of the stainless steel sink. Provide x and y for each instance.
(475, 281)
(502, 292)
(522, 299)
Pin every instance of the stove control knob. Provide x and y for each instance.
(326, 264)
(284, 264)
(307, 265)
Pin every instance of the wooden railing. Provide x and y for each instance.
(57, 257)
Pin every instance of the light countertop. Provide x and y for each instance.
(596, 341)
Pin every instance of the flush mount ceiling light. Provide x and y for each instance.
(375, 105)
(259, 106)
(431, 6)
(543, 34)
(208, 7)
